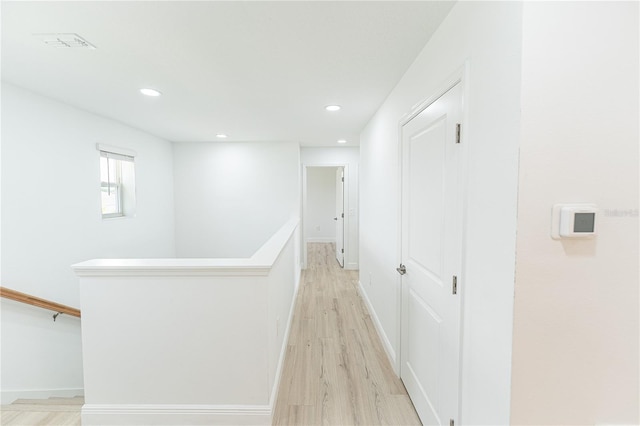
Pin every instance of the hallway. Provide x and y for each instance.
(335, 371)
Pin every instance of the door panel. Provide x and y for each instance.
(431, 252)
(419, 347)
(425, 201)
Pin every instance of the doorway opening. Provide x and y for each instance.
(324, 204)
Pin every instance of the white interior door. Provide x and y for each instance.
(339, 218)
(431, 255)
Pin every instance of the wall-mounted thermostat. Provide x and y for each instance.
(573, 221)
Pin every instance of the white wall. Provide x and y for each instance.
(319, 225)
(349, 157)
(575, 355)
(231, 197)
(488, 36)
(51, 219)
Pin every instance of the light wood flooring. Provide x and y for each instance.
(336, 371)
(52, 411)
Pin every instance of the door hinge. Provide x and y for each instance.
(343, 215)
(342, 251)
(458, 125)
(343, 179)
(455, 285)
(451, 422)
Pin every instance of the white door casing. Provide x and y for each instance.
(346, 223)
(339, 217)
(431, 252)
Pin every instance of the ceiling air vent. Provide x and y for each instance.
(65, 41)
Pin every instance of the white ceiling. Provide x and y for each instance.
(258, 71)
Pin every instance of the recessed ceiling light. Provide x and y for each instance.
(332, 107)
(150, 92)
(221, 136)
(342, 141)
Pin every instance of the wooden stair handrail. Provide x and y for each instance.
(37, 301)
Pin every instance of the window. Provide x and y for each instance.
(117, 182)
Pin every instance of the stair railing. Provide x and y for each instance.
(58, 308)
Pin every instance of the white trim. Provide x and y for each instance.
(320, 240)
(116, 150)
(455, 78)
(172, 414)
(8, 396)
(464, 194)
(386, 343)
(397, 364)
(116, 156)
(259, 264)
(166, 268)
(351, 266)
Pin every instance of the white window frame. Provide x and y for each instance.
(119, 154)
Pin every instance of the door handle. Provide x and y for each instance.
(402, 269)
(335, 218)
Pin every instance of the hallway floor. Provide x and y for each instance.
(336, 371)
(42, 412)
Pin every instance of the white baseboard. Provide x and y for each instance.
(321, 240)
(168, 414)
(9, 396)
(351, 266)
(298, 277)
(391, 353)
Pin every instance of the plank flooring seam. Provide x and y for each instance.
(342, 376)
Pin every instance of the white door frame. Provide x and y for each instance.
(347, 219)
(339, 210)
(461, 76)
